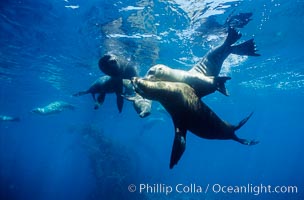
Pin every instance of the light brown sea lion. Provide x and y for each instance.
(188, 112)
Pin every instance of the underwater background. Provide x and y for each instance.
(50, 49)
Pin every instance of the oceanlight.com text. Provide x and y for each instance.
(254, 189)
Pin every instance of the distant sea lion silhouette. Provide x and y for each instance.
(188, 112)
(210, 25)
(9, 118)
(102, 86)
(203, 77)
(53, 108)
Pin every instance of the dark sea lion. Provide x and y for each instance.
(188, 112)
(53, 108)
(121, 68)
(9, 118)
(115, 66)
(211, 63)
(103, 86)
(203, 85)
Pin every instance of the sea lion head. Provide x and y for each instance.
(158, 72)
(155, 90)
(110, 65)
(38, 110)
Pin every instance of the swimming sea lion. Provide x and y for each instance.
(103, 86)
(203, 77)
(188, 112)
(53, 108)
(9, 118)
(120, 68)
(211, 63)
(142, 106)
(202, 85)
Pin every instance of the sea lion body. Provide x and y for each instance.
(53, 108)
(188, 112)
(102, 86)
(9, 118)
(203, 85)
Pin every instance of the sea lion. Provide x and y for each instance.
(120, 68)
(141, 105)
(203, 77)
(203, 85)
(115, 66)
(9, 118)
(211, 63)
(188, 112)
(53, 108)
(102, 86)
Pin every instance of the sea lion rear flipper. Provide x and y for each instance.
(241, 123)
(244, 141)
(220, 84)
(247, 48)
(232, 36)
(119, 102)
(179, 146)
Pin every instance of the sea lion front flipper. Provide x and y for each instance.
(80, 93)
(119, 101)
(220, 84)
(179, 146)
(100, 100)
(129, 98)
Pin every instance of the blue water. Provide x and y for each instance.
(50, 50)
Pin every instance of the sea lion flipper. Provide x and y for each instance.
(179, 146)
(241, 123)
(220, 84)
(244, 141)
(129, 98)
(247, 48)
(80, 93)
(232, 36)
(100, 99)
(119, 101)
